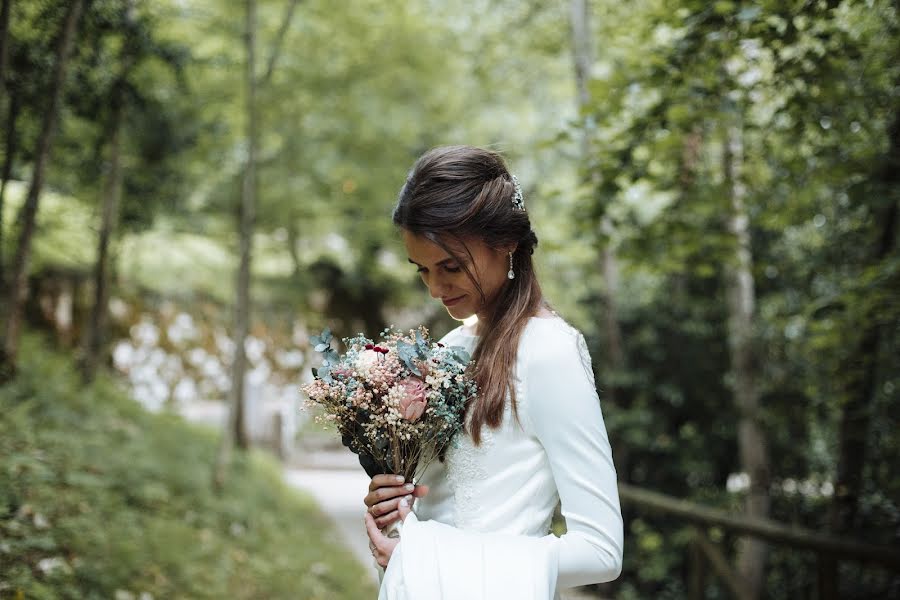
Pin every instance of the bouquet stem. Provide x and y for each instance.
(398, 468)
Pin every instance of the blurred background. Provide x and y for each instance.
(192, 188)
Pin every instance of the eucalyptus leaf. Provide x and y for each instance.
(460, 354)
(421, 345)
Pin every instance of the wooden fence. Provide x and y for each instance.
(828, 549)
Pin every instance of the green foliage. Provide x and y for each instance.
(97, 496)
(812, 89)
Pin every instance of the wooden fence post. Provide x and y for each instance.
(696, 570)
(719, 563)
(827, 580)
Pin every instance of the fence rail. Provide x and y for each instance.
(828, 548)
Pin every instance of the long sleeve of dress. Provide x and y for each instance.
(440, 562)
(563, 409)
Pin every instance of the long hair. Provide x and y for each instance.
(458, 192)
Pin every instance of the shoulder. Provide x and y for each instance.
(560, 394)
(549, 341)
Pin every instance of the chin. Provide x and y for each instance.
(459, 311)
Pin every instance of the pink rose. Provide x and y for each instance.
(412, 400)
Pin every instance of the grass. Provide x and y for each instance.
(99, 499)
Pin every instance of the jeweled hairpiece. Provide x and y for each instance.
(518, 199)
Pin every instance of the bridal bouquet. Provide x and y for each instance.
(398, 403)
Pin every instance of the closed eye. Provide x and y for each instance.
(449, 269)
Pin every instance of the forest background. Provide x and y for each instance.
(714, 186)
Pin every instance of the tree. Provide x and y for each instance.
(4, 93)
(96, 333)
(741, 300)
(4, 42)
(236, 431)
(18, 288)
(583, 59)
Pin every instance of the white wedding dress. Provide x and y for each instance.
(482, 532)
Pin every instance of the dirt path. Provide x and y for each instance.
(340, 493)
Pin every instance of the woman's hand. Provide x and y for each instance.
(384, 495)
(382, 546)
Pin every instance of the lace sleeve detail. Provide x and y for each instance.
(585, 356)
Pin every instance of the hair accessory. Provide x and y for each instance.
(518, 199)
(510, 275)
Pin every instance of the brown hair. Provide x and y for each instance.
(457, 192)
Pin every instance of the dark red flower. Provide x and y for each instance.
(440, 345)
(369, 346)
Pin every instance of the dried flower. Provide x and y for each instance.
(412, 400)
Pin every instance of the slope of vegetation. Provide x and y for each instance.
(99, 499)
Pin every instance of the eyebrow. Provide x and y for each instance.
(446, 260)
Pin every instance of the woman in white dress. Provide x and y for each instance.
(477, 526)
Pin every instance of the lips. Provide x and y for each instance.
(453, 301)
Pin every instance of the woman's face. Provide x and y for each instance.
(447, 281)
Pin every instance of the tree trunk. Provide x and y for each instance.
(741, 298)
(4, 42)
(235, 432)
(96, 333)
(861, 372)
(582, 54)
(292, 239)
(95, 340)
(583, 58)
(279, 42)
(18, 288)
(10, 146)
(247, 220)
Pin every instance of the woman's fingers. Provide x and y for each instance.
(382, 546)
(374, 531)
(386, 493)
(385, 520)
(383, 508)
(385, 481)
(404, 508)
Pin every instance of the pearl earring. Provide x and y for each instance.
(511, 275)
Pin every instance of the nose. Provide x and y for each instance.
(436, 287)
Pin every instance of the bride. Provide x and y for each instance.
(535, 436)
